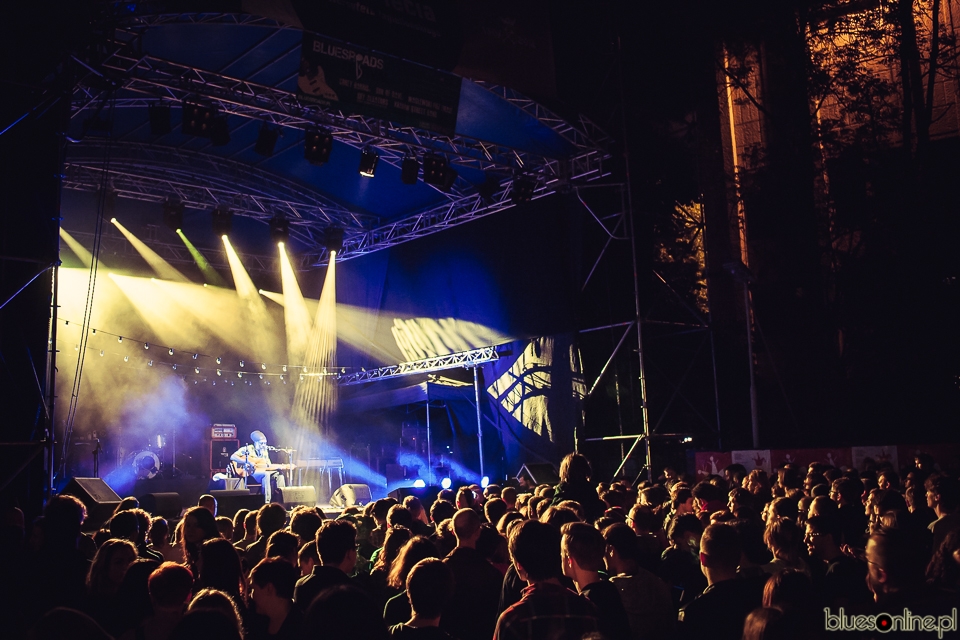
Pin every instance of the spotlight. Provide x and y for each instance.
(197, 119)
(173, 215)
(333, 239)
(159, 119)
(113, 220)
(196, 369)
(266, 140)
(279, 229)
(263, 365)
(419, 483)
(119, 338)
(241, 364)
(222, 221)
(220, 132)
(170, 351)
(219, 360)
(523, 187)
(433, 168)
(126, 358)
(484, 482)
(146, 345)
(368, 163)
(446, 483)
(150, 364)
(317, 146)
(409, 170)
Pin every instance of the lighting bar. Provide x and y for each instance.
(465, 359)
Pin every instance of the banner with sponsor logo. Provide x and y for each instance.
(352, 79)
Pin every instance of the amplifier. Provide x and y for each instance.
(220, 452)
(223, 432)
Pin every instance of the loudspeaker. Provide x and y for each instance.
(427, 495)
(229, 502)
(351, 495)
(97, 496)
(293, 496)
(220, 452)
(539, 473)
(166, 505)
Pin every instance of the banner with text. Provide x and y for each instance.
(356, 80)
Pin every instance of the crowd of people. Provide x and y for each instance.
(795, 554)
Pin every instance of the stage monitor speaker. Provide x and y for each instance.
(539, 473)
(166, 505)
(229, 502)
(294, 496)
(351, 495)
(97, 496)
(427, 495)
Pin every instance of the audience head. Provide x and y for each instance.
(429, 587)
(250, 525)
(559, 516)
(271, 518)
(893, 562)
(823, 536)
(507, 518)
(62, 521)
(337, 543)
(846, 491)
(218, 609)
(159, 531)
(466, 526)
(466, 498)
(413, 551)
(399, 516)
(581, 548)
(209, 503)
(284, 545)
(393, 541)
(685, 531)
(271, 579)
(534, 548)
(346, 612)
(220, 567)
(622, 551)
(943, 493)
(225, 527)
(125, 526)
(198, 525)
(575, 469)
(494, 509)
(239, 528)
(109, 566)
(441, 510)
(307, 558)
(380, 509)
(170, 586)
(790, 590)
(509, 495)
(720, 548)
(783, 537)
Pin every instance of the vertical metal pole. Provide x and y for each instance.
(52, 378)
(476, 393)
(754, 426)
(429, 443)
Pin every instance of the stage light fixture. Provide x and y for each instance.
(409, 170)
(150, 363)
(419, 483)
(333, 239)
(219, 360)
(446, 483)
(433, 169)
(197, 119)
(368, 163)
(159, 119)
(126, 358)
(222, 221)
(173, 215)
(484, 482)
(279, 229)
(146, 345)
(317, 146)
(266, 140)
(170, 351)
(241, 364)
(220, 132)
(523, 188)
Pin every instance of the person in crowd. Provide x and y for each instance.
(791, 590)
(225, 527)
(768, 623)
(494, 509)
(211, 614)
(209, 503)
(441, 510)
(124, 526)
(395, 539)
(220, 569)
(475, 580)
(307, 558)
(270, 518)
(546, 609)
(160, 541)
(679, 564)
(397, 608)
(379, 512)
(509, 496)
(336, 543)
(421, 520)
(645, 597)
(239, 531)
(133, 596)
(199, 525)
(708, 498)
(103, 582)
(651, 539)
(943, 496)
(582, 549)
(429, 588)
(719, 612)
(250, 533)
(846, 493)
(272, 583)
(169, 586)
(943, 571)
(283, 544)
(304, 523)
(344, 611)
(575, 484)
(492, 547)
(63, 622)
(784, 538)
(504, 524)
(838, 578)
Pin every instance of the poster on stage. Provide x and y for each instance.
(354, 80)
(880, 455)
(754, 459)
(712, 463)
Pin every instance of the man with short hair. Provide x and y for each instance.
(430, 586)
(720, 610)
(895, 575)
(645, 597)
(943, 496)
(337, 549)
(846, 493)
(475, 580)
(270, 518)
(170, 586)
(838, 579)
(272, 583)
(509, 495)
(546, 609)
(581, 554)
(209, 503)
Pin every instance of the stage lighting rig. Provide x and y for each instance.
(333, 239)
(318, 145)
(409, 170)
(222, 221)
(524, 185)
(198, 119)
(368, 163)
(279, 229)
(159, 119)
(220, 132)
(438, 172)
(266, 140)
(173, 215)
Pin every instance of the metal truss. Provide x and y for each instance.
(177, 253)
(465, 359)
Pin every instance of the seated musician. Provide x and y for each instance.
(253, 460)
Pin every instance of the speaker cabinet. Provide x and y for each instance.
(97, 496)
(166, 505)
(351, 495)
(295, 496)
(229, 502)
(220, 452)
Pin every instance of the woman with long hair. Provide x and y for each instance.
(220, 569)
(418, 548)
(106, 574)
(198, 525)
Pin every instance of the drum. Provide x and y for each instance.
(146, 465)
